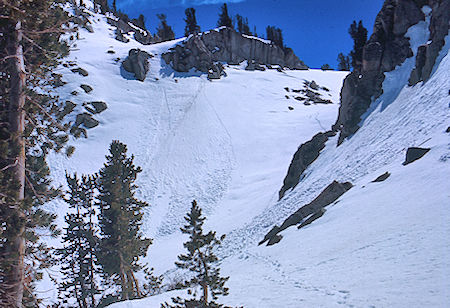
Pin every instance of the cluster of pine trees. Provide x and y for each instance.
(31, 46)
(358, 34)
(102, 240)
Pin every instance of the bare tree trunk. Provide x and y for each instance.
(123, 278)
(205, 293)
(15, 250)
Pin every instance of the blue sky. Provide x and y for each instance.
(316, 30)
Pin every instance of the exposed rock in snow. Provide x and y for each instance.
(305, 155)
(86, 120)
(226, 45)
(137, 63)
(413, 154)
(387, 47)
(427, 53)
(330, 194)
(382, 177)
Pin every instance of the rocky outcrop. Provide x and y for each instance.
(142, 36)
(386, 48)
(311, 211)
(427, 54)
(305, 155)
(414, 153)
(95, 107)
(86, 120)
(202, 51)
(137, 63)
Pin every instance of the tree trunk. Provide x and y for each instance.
(205, 293)
(123, 279)
(15, 247)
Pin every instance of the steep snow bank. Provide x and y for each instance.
(381, 244)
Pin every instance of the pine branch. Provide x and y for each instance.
(50, 117)
(10, 166)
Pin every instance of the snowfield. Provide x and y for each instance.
(228, 143)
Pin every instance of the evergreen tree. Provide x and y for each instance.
(201, 261)
(326, 67)
(114, 6)
(191, 22)
(164, 31)
(30, 127)
(139, 22)
(121, 242)
(359, 36)
(343, 62)
(80, 240)
(275, 35)
(102, 4)
(242, 25)
(224, 18)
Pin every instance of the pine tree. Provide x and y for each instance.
(224, 18)
(242, 25)
(191, 22)
(30, 127)
(114, 6)
(359, 36)
(275, 35)
(343, 62)
(164, 31)
(80, 240)
(120, 218)
(326, 67)
(201, 261)
(139, 22)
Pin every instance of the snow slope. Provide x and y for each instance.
(228, 144)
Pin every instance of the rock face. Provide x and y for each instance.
(122, 27)
(137, 63)
(427, 54)
(387, 48)
(305, 155)
(226, 45)
(311, 211)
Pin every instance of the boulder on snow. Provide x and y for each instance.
(137, 63)
(413, 154)
(382, 177)
(87, 88)
(120, 37)
(145, 37)
(253, 66)
(80, 71)
(86, 120)
(95, 107)
(216, 71)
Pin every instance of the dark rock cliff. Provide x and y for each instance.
(386, 48)
(226, 45)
